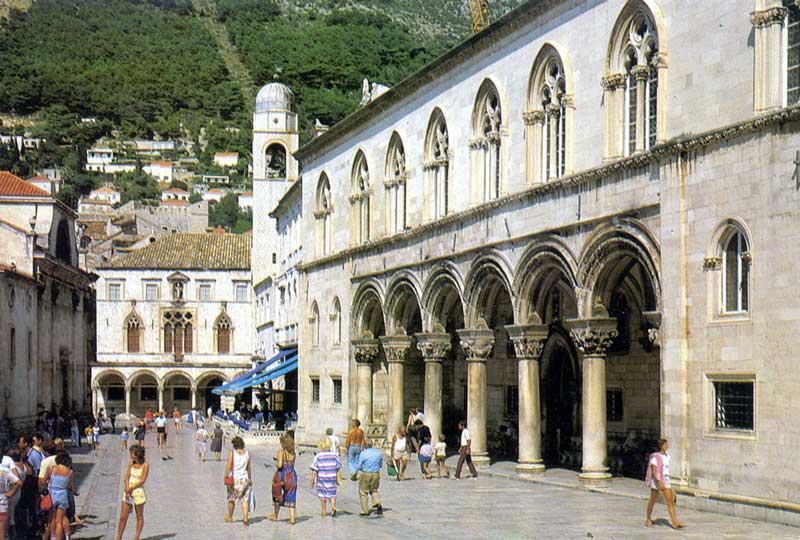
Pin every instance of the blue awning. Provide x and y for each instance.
(290, 364)
(236, 385)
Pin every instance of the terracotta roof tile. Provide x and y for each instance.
(14, 186)
(191, 251)
(178, 202)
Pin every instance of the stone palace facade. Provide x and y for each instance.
(579, 222)
(175, 321)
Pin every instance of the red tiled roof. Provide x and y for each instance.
(106, 189)
(39, 178)
(180, 202)
(14, 186)
(175, 190)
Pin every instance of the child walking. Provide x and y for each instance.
(440, 452)
(123, 437)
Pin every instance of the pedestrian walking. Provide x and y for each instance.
(10, 484)
(176, 419)
(354, 443)
(96, 436)
(161, 429)
(74, 432)
(399, 453)
(440, 452)
(465, 452)
(217, 439)
(134, 496)
(113, 417)
(123, 437)
(325, 475)
(658, 480)
(141, 433)
(149, 418)
(425, 455)
(200, 442)
(335, 446)
(21, 470)
(238, 479)
(370, 463)
(284, 483)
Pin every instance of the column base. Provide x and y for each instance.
(595, 479)
(530, 469)
(482, 460)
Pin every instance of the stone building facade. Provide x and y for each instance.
(578, 223)
(175, 322)
(47, 306)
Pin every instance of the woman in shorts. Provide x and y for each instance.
(134, 495)
(60, 480)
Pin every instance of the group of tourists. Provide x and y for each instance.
(37, 489)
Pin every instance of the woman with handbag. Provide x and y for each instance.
(284, 483)
(134, 495)
(238, 479)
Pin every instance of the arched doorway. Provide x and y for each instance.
(561, 404)
(144, 393)
(111, 392)
(205, 397)
(177, 392)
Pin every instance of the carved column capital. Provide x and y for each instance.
(641, 73)
(528, 340)
(769, 17)
(613, 81)
(532, 118)
(593, 336)
(396, 348)
(477, 344)
(712, 264)
(365, 350)
(434, 347)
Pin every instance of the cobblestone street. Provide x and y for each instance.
(186, 501)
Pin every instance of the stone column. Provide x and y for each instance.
(614, 103)
(434, 349)
(128, 402)
(160, 398)
(534, 122)
(529, 342)
(95, 390)
(477, 345)
(396, 350)
(593, 337)
(365, 351)
(194, 397)
(641, 74)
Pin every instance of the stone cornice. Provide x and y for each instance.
(666, 150)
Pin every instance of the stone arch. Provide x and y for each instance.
(361, 207)
(489, 90)
(395, 179)
(437, 157)
(548, 262)
(133, 331)
(368, 315)
(722, 232)
(223, 332)
(487, 144)
(64, 242)
(213, 374)
(550, 51)
(615, 55)
(136, 375)
(276, 157)
(403, 307)
(442, 295)
(98, 379)
(729, 261)
(323, 208)
(165, 379)
(489, 275)
(610, 254)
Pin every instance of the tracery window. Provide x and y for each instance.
(548, 117)
(360, 196)
(178, 332)
(486, 143)
(636, 68)
(437, 166)
(395, 183)
(336, 320)
(315, 325)
(322, 214)
(133, 333)
(223, 329)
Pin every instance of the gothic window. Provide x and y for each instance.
(178, 332)
(486, 144)
(395, 182)
(322, 215)
(336, 317)
(223, 330)
(635, 69)
(735, 273)
(437, 166)
(315, 325)
(275, 161)
(548, 117)
(133, 337)
(360, 195)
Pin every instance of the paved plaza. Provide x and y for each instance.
(186, 500)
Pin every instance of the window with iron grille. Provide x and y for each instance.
(793, 52)
(614, 409)
(337, 391)
(734, 405)
(315, 390)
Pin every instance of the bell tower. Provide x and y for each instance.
(275, 139)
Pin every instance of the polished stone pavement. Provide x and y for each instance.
(186, 500)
